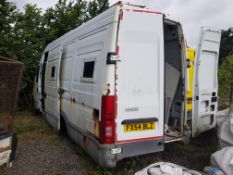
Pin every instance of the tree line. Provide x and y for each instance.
(225, 71)
(24, 34)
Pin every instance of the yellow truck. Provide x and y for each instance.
(190, 75)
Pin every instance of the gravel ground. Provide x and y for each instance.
(41, 157)
(42, 151)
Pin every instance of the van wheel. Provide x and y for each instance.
(63, 128)
(36, 112)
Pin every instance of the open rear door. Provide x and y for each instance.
(205, 81)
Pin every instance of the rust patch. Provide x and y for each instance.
(73, 102)
(96, 122)
(5, 149)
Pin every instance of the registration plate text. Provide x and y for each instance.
(139, 126)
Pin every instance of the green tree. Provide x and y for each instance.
(63, 17)
(225, 75)
(226, 47)
(29, 43)
(67, 15)
(96, 7)
(8, 13)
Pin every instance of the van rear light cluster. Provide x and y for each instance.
(107, 125)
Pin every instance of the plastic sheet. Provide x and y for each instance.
(165, 168)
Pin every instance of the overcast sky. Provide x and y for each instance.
(191, 13)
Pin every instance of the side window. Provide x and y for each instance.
(53, 72)
(88, 71)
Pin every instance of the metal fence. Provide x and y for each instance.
(10, 78)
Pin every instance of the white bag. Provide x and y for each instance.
(165, 168)
(223, 159)
(225, 132)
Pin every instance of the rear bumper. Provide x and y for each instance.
(102, 153)
(141, 147)
(106, 159)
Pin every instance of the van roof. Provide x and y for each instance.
(102, 19)
(106, 17)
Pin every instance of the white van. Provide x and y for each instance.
(117, 84)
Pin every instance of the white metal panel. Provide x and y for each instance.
(89, 28)
(205, 81)
(91, 41)
(52, 84)
(5, 157)
(172, 77)
(88, 92)
(66, 76)
(140, 82)
(6, 142)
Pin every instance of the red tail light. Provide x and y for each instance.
(107, 125)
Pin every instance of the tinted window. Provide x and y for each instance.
(53, 72)
(88, 70)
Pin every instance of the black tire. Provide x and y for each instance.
(63, 129)
(36, 112)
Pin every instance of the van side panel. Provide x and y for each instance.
(140, 75)
(88, 85)
(66, 76)
(52, 83)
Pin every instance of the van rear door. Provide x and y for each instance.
(205, 81)
(140, 76)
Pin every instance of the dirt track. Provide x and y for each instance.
(41, 151)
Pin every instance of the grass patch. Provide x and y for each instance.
(28, 126)
(101, 171)
(205, 144)
(55, 138)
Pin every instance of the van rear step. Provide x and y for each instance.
(169, 139)
(173, 136)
